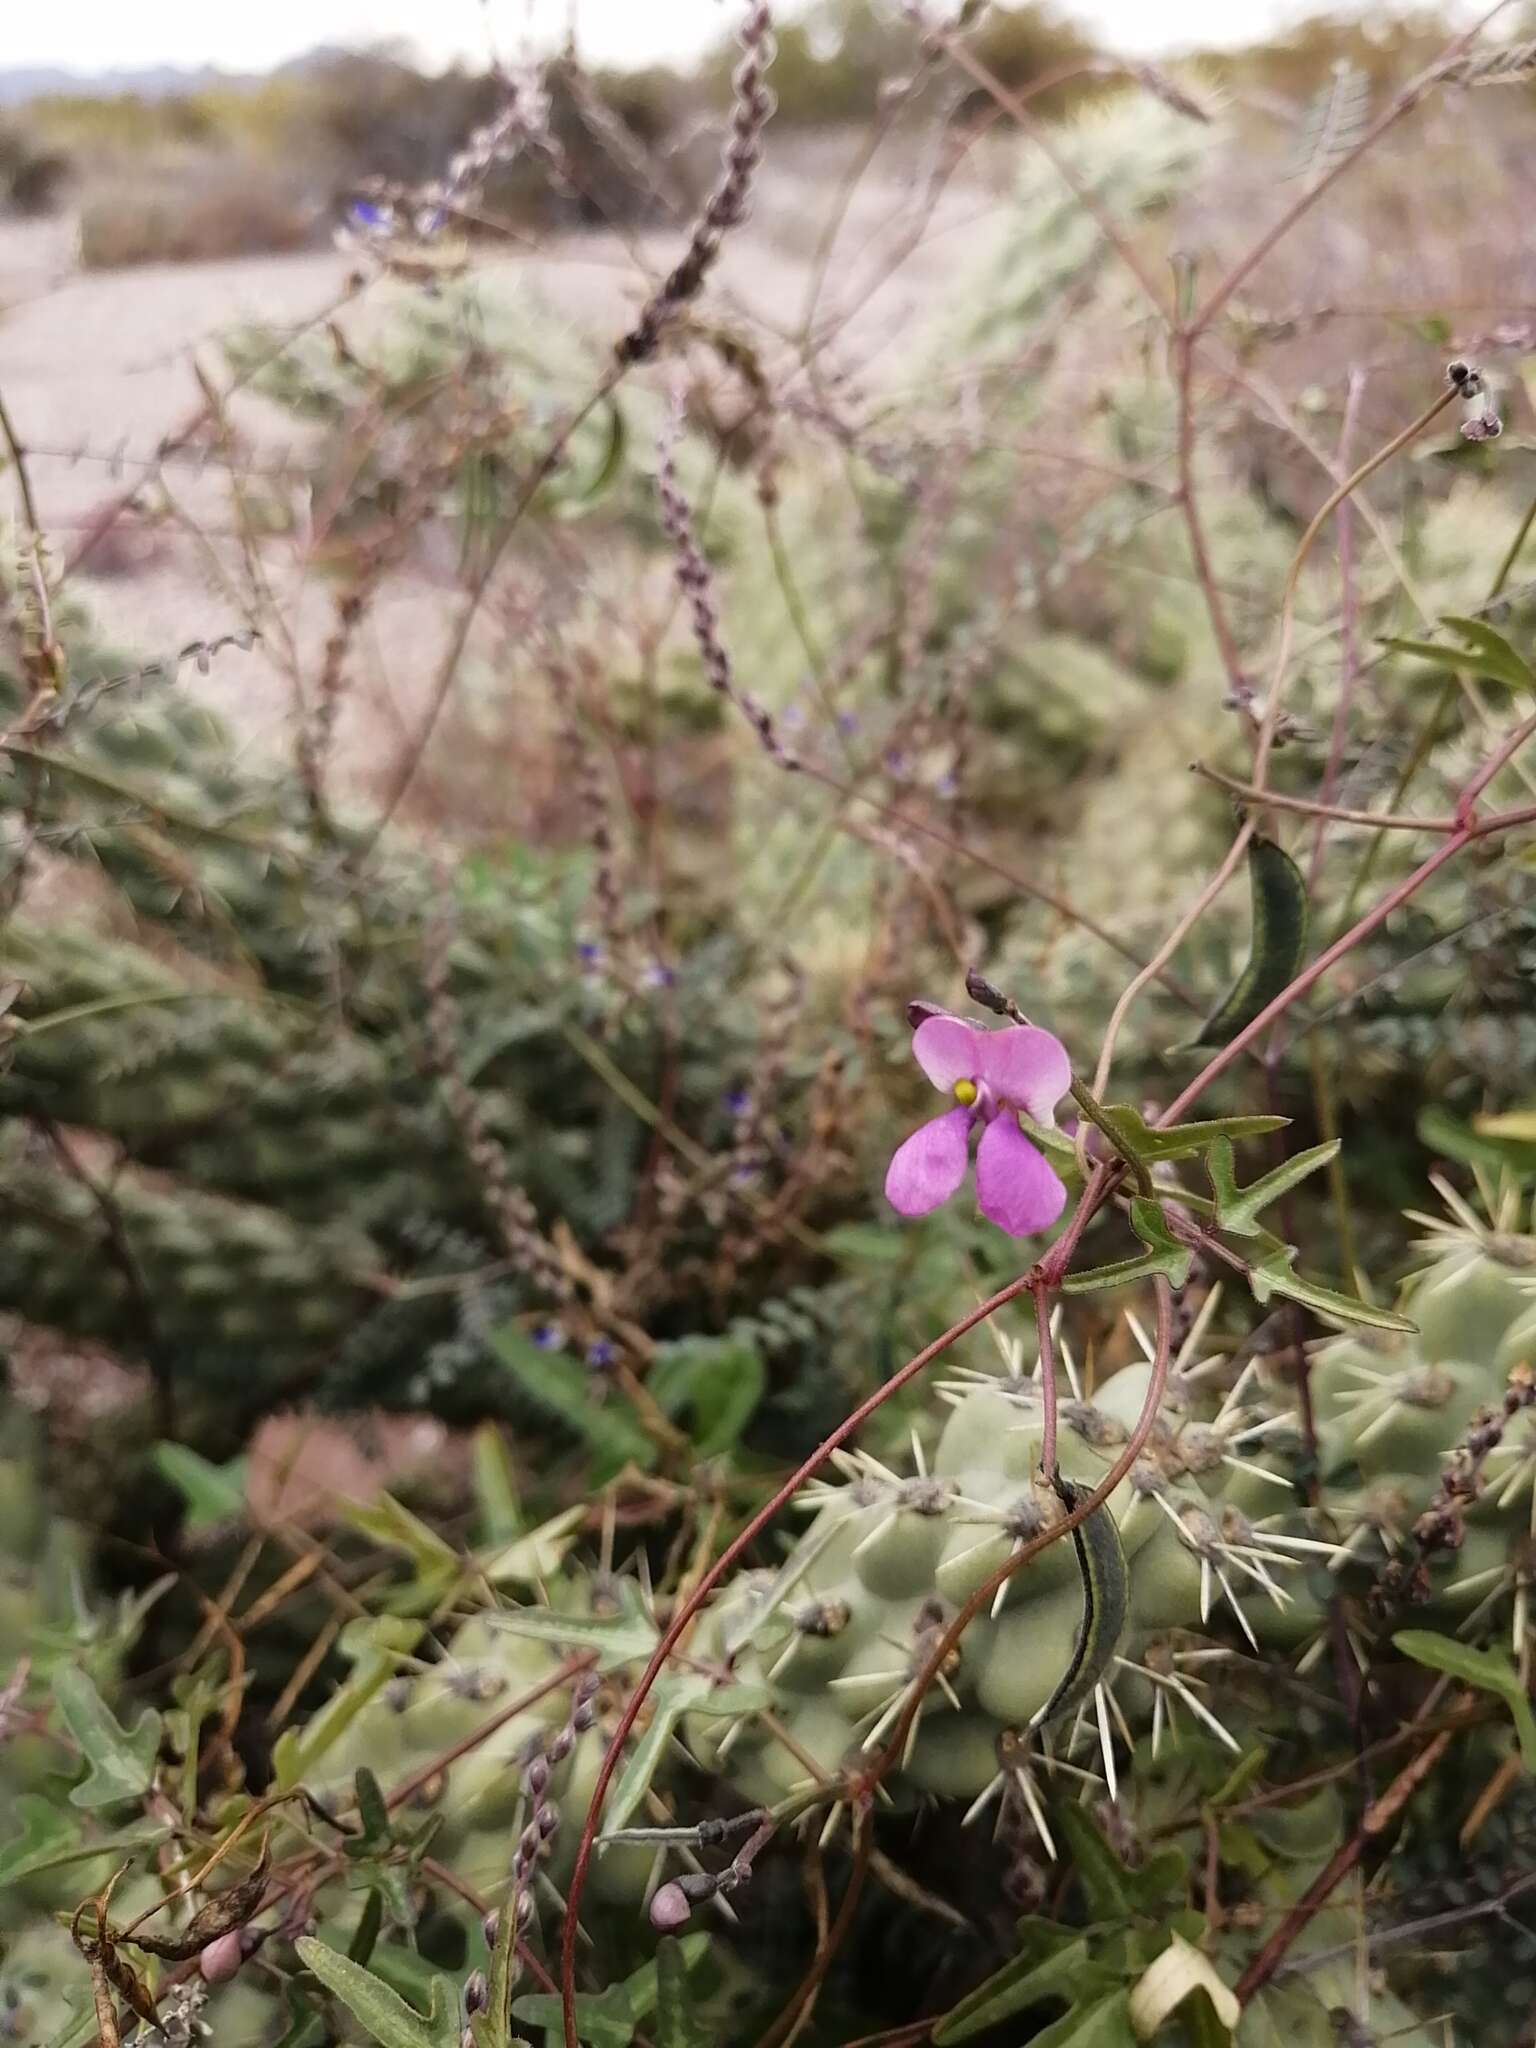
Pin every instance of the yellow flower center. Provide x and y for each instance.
(965, 1091)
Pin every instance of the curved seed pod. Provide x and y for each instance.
(1106, 1596)
(1278, 943)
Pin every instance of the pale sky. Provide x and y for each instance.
(251, 35)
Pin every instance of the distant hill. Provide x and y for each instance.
(154, 82)
(170, 81)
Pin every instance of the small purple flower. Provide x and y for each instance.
(738, 1102)
(992, 1075)
(369, 214)
(600, 1354)
(657, 974)
(549, 1337)
(588, 952)
(847, 721)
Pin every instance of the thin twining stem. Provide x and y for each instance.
(1340, 814)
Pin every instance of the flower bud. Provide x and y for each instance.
(223, 1956)
(670, 1908)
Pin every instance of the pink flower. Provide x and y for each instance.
(992, 1075)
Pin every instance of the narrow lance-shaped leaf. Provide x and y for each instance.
(671, 1698)
(678, 2024)
(1237, 1209)
(560, 1385)
(1274, 1276)
(1486, 1670)
(495, 1481)
(380, 2012)
(1489, 654)
(1151, 1143)
(1050, 1964)
(1276, 948)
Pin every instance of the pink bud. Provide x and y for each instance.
(670, 1908)
(221, 1958)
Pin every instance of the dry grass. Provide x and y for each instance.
(201, 212)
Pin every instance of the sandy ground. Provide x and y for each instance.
(97, 367)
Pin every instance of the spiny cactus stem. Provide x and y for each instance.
(562, 1675)
(688, 1609)
(948, 1639)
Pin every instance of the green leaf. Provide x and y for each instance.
(385, 1521)
(363, 1941)
(493, 2027)
(1104, 2024)
(673, 1696)
(603, 2018)
(1453, 1139)
(380, 2012)
(1051, 1964)
(1489, 654)
(1502, 662)
(78, 2030)
(1164, 1254)
(530, 1560)
(1273, 1275)
(560, 1384)
(1237, 1209)
(678, 2025)
(1486, 1670)
(1105, 1881)
(49, 1836)
(1277, 946)
(372, 1813)
(719, 1380)
(1181, 1974)
(39, 1848)
(495, 1482)
(214, 1494)
(618, 1639)
(608, 2018)
(122, 1760)
(1151, 1144)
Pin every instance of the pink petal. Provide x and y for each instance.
(927, 1169)
(948, 1050)
(1016, 1186)
(1027, 1067)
